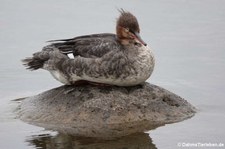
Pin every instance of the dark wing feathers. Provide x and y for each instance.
(89, 46)
(95, 45)
(103, 35)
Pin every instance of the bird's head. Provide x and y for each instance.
(127, 28)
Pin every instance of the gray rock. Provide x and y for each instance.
(105, 112)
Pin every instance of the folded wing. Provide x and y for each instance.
(89, 46)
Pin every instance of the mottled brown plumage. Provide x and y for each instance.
(121, 59)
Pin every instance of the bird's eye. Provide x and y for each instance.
(126, 29)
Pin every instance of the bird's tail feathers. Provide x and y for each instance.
(35, 62)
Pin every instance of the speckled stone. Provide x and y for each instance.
(105, 112)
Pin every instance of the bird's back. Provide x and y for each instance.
(88, 46)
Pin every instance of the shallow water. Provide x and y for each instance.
(187, 38)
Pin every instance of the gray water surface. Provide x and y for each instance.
(187, 38)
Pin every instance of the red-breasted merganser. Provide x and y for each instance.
(121, 59)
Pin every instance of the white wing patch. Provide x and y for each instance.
(70, 55)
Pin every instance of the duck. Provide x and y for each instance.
(120, 59)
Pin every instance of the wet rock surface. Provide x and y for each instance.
(105, 112)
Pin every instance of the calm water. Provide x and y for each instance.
(188, 39)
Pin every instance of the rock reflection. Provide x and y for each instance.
(64, 141)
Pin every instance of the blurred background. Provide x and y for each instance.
(187, 38)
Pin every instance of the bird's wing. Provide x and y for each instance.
(88, 46)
